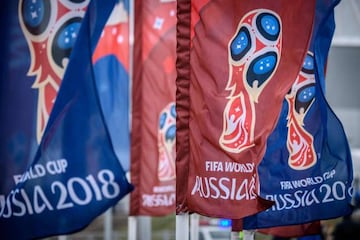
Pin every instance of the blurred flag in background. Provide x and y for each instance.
(111, 67)
(153, 109)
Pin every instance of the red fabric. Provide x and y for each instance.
(294, 231)
(182, 103)
(213, 90)
(109, 43)
(283, 231)
(152, 150)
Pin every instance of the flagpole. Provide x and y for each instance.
(249, 234)
(108, 225)
(132, 225)
(194, 226)
(132, 220)
(235, 236)
(182, 226)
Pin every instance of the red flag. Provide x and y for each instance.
(153, 114)
(236, 62)
(294, 230)
(290, 231)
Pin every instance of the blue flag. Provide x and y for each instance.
(60, 185)
(111, 66)
(307, 168)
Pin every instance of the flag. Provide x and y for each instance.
(313, 228)
(307, 168)
(307, 229)
(73, 175)
(111, 67)
(236, 62)
(153, 109)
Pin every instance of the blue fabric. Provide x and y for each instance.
(311, 237)
(324, 189)
(73, 175)
(113, 83)
(112, 80)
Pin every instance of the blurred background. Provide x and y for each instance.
(343, 95)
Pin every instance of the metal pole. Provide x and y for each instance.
(108, 225)
(194, 226)
(249, 234)
(144, 227)
(236, 236)
(182, 226)
(132, 227)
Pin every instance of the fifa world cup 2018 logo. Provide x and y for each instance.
(50, 28)
(254, 54)
(166, 143)
(300, 98)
